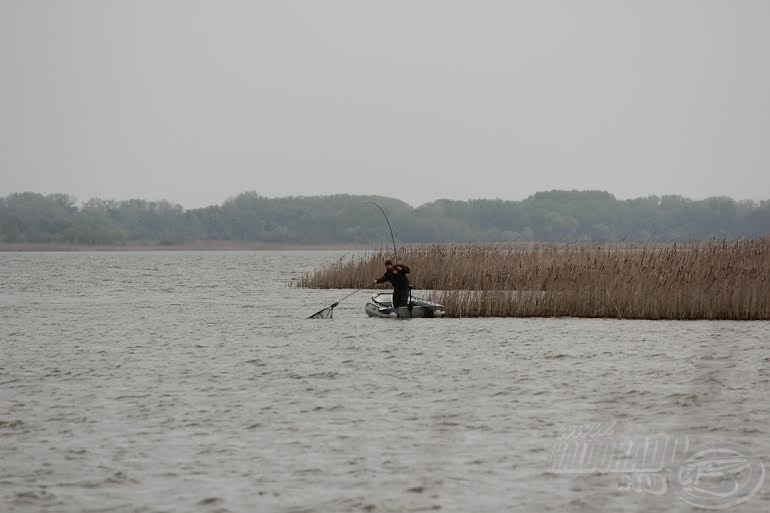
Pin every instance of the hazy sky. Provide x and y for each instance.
(197, 100)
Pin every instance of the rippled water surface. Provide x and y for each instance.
(191, 381)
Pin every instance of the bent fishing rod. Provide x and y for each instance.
(392, 238)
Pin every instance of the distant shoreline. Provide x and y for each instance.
(201, 245)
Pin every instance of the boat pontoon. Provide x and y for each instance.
(381, 305)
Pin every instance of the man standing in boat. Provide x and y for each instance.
(396, 274)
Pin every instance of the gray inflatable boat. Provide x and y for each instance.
(381, 305)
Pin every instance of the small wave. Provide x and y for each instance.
(210, 500)
(33, 497)
(683, 399)
(551, 356)
(116, 478)
(324, 375)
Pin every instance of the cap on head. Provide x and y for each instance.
(388, 262)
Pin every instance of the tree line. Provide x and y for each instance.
(544, 216)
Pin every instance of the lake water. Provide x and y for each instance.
(191, 381)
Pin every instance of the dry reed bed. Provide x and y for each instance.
(694, 280)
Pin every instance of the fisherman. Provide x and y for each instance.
(396, 275)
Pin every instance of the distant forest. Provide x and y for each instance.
(544, 216)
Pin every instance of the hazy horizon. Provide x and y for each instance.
(418, 101)
(81, 200)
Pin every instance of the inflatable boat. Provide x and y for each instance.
(381, 305)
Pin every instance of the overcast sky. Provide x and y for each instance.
(195, 101)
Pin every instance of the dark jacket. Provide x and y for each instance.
(400, 283)
(399, 280)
